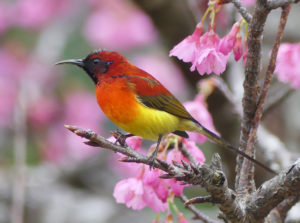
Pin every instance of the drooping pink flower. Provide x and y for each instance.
(185, 50)
(198, 110)
(151, 178)
(140, 192)
(130, 192)
(119, 25)
(202, 51)
(288, 66)
(208, 57)
(238, 48)
(228, 41)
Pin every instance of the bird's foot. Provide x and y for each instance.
(151, 159)
(120, 137)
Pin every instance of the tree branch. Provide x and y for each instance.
(198, 215)
(252, 70)
(274, 4)
(279, 213)
(211, 177)
(248, 167)
(274, 191)
(242, 10)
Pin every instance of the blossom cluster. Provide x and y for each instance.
(208, 53)
(146, 188)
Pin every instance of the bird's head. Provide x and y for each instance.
(96, 63)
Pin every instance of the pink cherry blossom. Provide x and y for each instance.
(141, 191)
(153, 200)
(198, 110)
(228, 41)
(185, 50)
(130, 192)
(238, 48)
(288, 66)
(151, 178)
(208, 57)
(202, 51)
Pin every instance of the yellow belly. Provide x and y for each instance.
(150, 123)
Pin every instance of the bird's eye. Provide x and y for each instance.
(96, 61)
(109, 63)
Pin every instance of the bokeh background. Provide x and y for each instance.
(47, 171)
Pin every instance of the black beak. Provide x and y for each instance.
(78, 62)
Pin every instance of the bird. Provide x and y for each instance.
(139, 104)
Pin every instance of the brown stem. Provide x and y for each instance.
(274, 191)
(247, 179)
(279, 213)
(274, 4)
(242, 10)
(198, 215)
(252, 70)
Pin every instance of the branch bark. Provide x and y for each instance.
(210, 177)
(274, 191)
(274, 4)
(242, 10)
(247, 180)
(244, 168)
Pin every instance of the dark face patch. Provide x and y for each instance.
(93, 65)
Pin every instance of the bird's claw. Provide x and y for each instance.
(151, 159)
(120, 137)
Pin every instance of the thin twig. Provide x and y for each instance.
(198, 215)
(242, 10)
(199, 200)
(274, 4)
(279, 213)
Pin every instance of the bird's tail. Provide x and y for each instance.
(212, 136)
